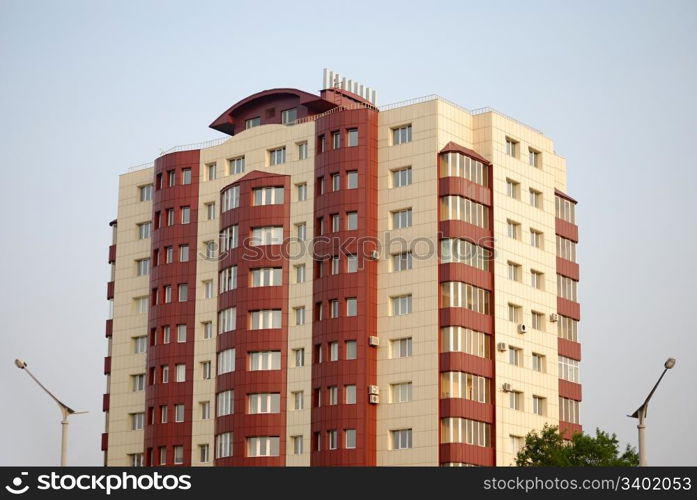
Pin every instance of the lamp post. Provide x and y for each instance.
(65, 411)
(642, 411)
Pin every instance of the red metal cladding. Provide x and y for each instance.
(110, 290)
(569, 308)
(107, 365)
(105, 441)
(361, 285)
(106, 398)
(109, 328)
(570, 390)
(158, 394)
(568, 429)
(456, 316)
(569, 348)
(566, 229)
(246, 299)
(567, 268)
(112, 253)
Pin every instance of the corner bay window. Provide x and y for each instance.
(459, 294)
(454, 207)
(455, 164)
(463, 430)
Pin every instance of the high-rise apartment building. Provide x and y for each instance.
(341, 284)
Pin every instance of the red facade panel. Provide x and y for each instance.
(569, 390)
(569, 348)
(568, 268)
(569, 308)
(112, 253)
(566, 229)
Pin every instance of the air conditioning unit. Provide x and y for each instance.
(374, 389)
(501, 346)
(374, 341)
(506, 387)
(522, 328)
(374, 255)
(373, 399)
(554, 317)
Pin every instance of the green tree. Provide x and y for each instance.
(549, 448)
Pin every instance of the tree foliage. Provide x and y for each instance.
(548, 448)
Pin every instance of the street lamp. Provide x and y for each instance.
(65, 411)
(642, 411)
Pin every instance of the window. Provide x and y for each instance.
(289, 116)
(511, 147)
(512, 189)
(183, 253)
(400, 393)
(165, 334)
(302, 151)
(567, 328)
(223, 445)
(535, 198)
(163, 455)
(351, 221)
(140, 344)
(332, 439)
(319, 314)
(180, 372)
(226, 361)
(186, 176)
(301, 231)
(205, 410)
(183, 292)
(268, 196)
(569, 410)
(351, 263)
(298, 357)
(515, 313)
(455, 164)
(567, 288)
(277, 156)
(566, 249)
(459, 294)
(207, 330)
(334, 308)
(302, 191)
(298, 400)
(401, 348)
(164, 369)
(534, 158)
(321, 144)
(137, 421)
(204, 453)
(565, 209)
(401, 218)
(231, 198)
(145, 192)
(210, 211)
(401, 305)
(539, 405)
(515, 400)
(236, 165)
(142, 304)
(164, 414)
(401, 177)
(227, 279)
(265, 319)
(336, 182)
(336, 223)
(144, 230)
(537, 279)
(136, 459)
(297, 445)
(299, 315)
(212, 171)
(225, 403)
(536, 238)
(172, 177)
(513, 229)
(401, 439)
(515, 444)
(569, 369)
(262, 446)
(333, 395)
(169, 255)
(264, 403)
(300, 273)
(351, 306)
(264, 360)
(138, 382)
(181, 333)
(538, 320)
(168, 294)
(466, 386)
(459, 250)
(252, 122)
(401, 135)
(336, 140)
(271, 235)
(266, 276)
(333, 351)
(460, 339)
(352, 179)
(515, 271)
(401, 261)
(170, 216)
(350, 349)
(179, 413)
(206, 370)
(186, 215)
(460, 208)
(350, 394)
(538, 362)
(352, 136)
(350, 439)
(515, 356)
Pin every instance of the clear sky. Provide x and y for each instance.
(88, 89)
